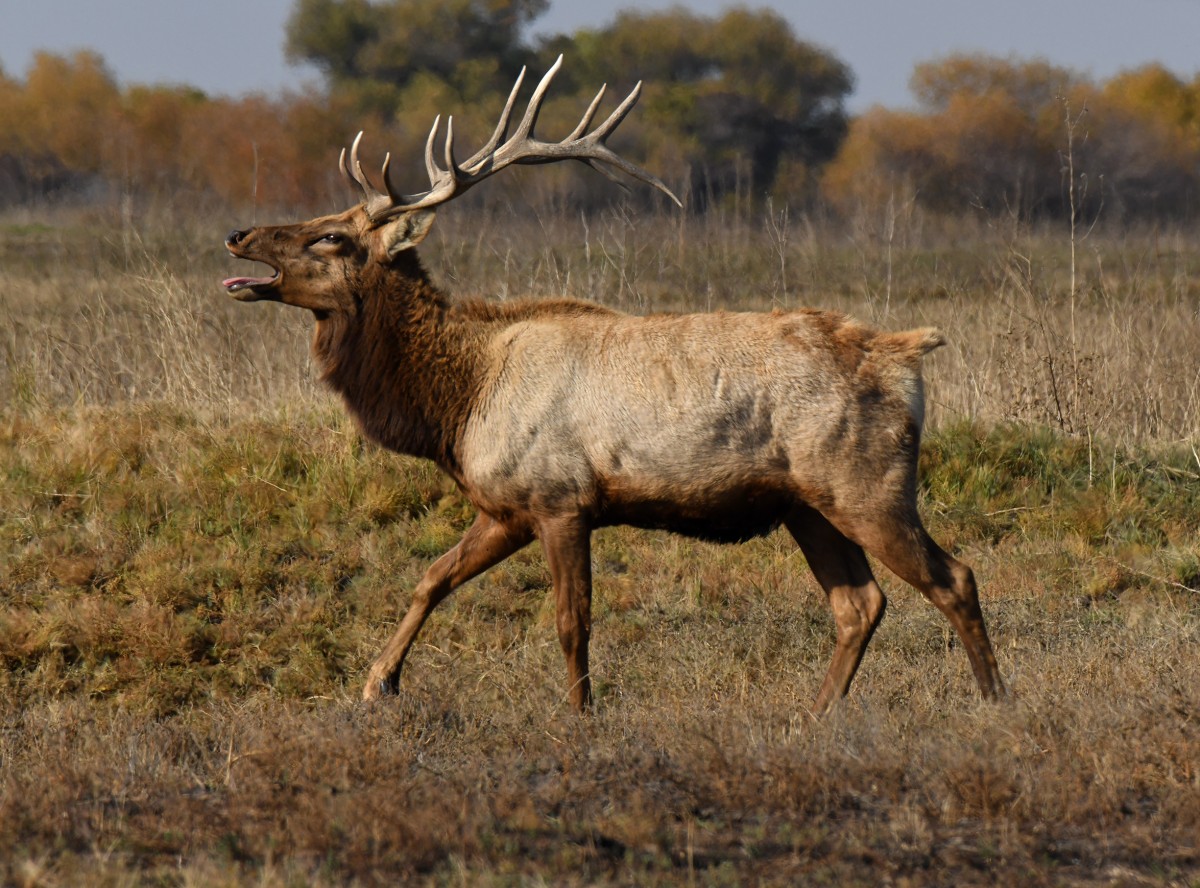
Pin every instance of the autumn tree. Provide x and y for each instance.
(1152, 92)
(70, 103)
(56, 127)
(13, 175)
(1007, 135)
(11, 101)
(716, 114)
(996, 130)
(1030, 85)
(718, 121)
(737, 99)
(1145, 137)
(886, 155)
(155, 119)
(378, 49)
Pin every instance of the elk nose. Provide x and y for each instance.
(235, 237)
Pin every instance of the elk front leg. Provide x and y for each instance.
(486, 543)
(568, 546)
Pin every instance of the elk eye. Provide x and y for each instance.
(334, 239)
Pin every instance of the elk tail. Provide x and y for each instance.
(911, 345)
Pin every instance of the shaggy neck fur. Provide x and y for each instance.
(405, 365)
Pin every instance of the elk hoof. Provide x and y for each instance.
(376, 688)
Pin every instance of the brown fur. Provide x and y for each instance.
(556, 417)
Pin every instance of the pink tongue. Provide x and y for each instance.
(238, 283)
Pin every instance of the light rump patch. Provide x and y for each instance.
(557, 417)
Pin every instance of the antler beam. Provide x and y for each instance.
(499, 152)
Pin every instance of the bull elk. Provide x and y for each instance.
(556, 417)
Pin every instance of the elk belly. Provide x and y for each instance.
(724, 511)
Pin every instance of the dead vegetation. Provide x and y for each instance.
(189, 594)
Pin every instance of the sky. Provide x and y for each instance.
(232, 47)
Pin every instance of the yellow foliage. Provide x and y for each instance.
(994, 132)
(69, 105)
(1154, 96)
(990, 132)
(1029, 84)
(1154, 92)
(884, 150)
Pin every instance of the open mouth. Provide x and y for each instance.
(248, 289)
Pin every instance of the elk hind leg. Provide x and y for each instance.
(567, 543)
(854, 596)
(902, 543)
(487, 542)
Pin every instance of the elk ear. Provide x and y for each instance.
(406, 231)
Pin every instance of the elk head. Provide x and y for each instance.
(312, 262)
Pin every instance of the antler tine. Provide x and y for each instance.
(525, 127)
(378, 203)
(592, 150)
(451, 167)
(604, 130)
(431, 166)
(603, 153)
(346, 170)
(501, 127)
(586, 120)
(387, 179)
(442, 183)
(452, 170)
(372, 197)
(356, 169)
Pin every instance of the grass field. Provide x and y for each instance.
(199, 557)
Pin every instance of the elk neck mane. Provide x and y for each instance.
(401, 370)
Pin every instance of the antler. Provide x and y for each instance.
(523, 147)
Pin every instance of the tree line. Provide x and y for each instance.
(736, 110)
(1030, 139)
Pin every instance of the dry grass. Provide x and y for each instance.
(199, 558)
(103, 312)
